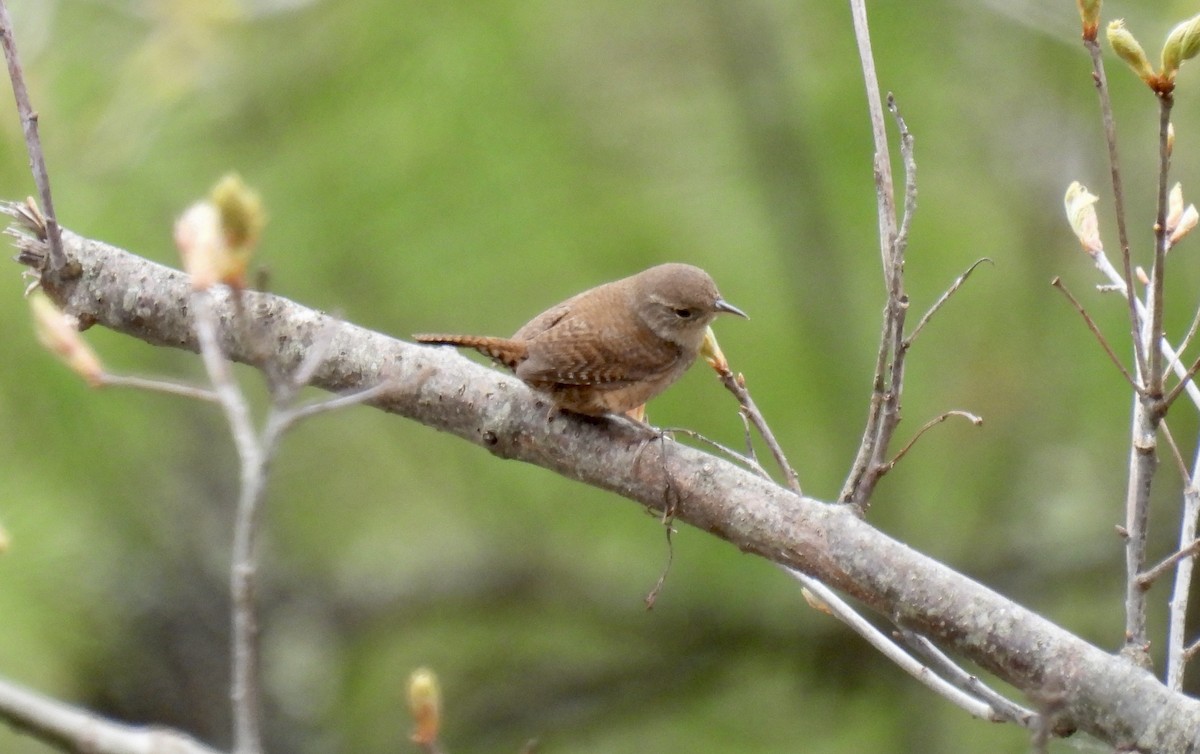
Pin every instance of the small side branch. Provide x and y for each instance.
(975, 420)
(1091, 325)
(1147, 578)
(942, 299)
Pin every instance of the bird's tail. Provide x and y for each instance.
(508, 352)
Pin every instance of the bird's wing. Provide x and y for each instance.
(573, 352)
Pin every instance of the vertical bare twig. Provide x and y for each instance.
(1114, 162)
(33, 143)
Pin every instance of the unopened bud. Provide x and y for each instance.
(425, 705)
(57, 333)
(1089, 14)
(1128, 49)
(201, 244)
(241, 210)
(1183, 43)
(1081, 214)
(1187, 223)
(815, 602)
(1174, 206)
(711, 351)
(216, 237)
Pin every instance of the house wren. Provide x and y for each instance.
(612, 347)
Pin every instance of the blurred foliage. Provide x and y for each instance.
(459, 166)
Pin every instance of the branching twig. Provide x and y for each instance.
(883, 414)
(246, 690)
(838, 608)
(1118, 284)
(1091, 325)
(942, 299)
(940, 662)
(33, 143)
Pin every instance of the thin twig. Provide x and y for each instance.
(958, 283)
(1190, 652)
(838, 608)
(290, 416)
(159, 386)
(975, 420)
(908, 156)
(246, 689)
(737, 386)
(1114, 162)
(33, 143)
(1091, 325)
(952, 672)
(1154, 371)
(1184, 380)
(1147, 578)
(749, 461)
(1181, 589)
(1176, 454)
(1187, 339)
(884, 188)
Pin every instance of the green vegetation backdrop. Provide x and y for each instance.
(459, 166)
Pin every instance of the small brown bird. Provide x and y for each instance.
(612, 347)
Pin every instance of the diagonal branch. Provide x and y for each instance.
(1102, 694)
(942, 299)
(1091, 324)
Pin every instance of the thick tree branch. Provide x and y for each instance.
(1101, 694)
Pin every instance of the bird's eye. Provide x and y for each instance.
(683, 313)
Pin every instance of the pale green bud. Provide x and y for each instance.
(1128, 49)
(1183, 43)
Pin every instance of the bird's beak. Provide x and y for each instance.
(724, 306)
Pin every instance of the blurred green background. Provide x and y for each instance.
(461, 165)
